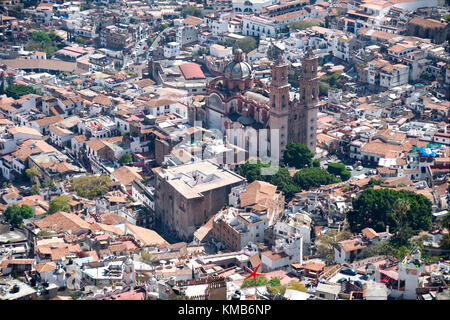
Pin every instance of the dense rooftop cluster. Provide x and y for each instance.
(151, 150)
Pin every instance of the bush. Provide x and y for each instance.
(294, 285)
(338, 169)
(316, 164)
(250, 282)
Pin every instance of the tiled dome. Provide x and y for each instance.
(238, 69)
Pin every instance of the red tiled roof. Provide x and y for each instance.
(192, 71)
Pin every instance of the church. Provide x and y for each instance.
(262, 118)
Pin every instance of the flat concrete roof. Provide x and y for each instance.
(192, 179)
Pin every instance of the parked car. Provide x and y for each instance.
(359, 284)
(359, 168)
(349, 168)
(349, 271)
(364, 277)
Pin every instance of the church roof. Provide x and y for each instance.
(238, 69)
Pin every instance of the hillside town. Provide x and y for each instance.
(169, 150)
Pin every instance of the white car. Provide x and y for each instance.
(349, 168)
(359, 168)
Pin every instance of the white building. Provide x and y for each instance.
(216, 50)
(409, 272)
(260, 26)
(284, 230)
(250, 6)
(172, 49)
(284, 253)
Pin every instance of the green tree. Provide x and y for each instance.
(163, 26)
(375, 182)
(275, 281)
(15, 214)
(90, 186)
(252, 171)
(297, 155)
(427, 76)
(2, 84)
(338, 169)
(192, 11)
(80, 40)
(301, 25)
(290, 190)
(281, 179)
(445, 241)
(316, 164)
(35, 189)
(328, 241)
(399, 208)
(383, 247)
(444, 221)
(48, 42)
(61, 203)
(323, 88)
(402, 252)
(126, 158)
(17, 90)
(31, 173)
(313, 178)
(247, 44)
(373, 206)
(85, 6)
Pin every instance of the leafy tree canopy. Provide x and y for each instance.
(297, 155)
(91, 186)
(126, 158)
(61, 203)
(15, 214)
(247, 44)
(192, 11)
(338, 169)
(314, 177)
(17, 90)
(301, 25)
(374, 209)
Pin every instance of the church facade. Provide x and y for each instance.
(262, 118)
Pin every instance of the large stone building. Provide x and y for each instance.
(186, 196)
(241, 106)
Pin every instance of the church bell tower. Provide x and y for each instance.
(279, 104)
(303, 118)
